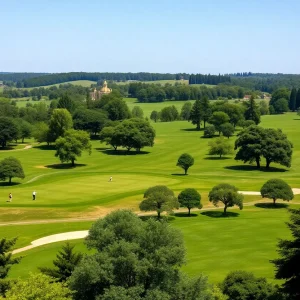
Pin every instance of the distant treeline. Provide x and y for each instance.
(64, 77)
(7, 77)
(208, 79)
(157, 93)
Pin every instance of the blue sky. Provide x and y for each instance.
(150, 36)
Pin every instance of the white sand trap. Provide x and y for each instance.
(296, 191)
(73, 235)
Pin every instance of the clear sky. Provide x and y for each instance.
(165, 36)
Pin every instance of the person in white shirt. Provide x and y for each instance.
(33, 195)
(110, 179)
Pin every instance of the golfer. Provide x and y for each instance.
(110, 179)
(9, 197)
(33, 195)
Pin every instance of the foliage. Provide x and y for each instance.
(287, 266)
(11, 167)
(60, 122)
(66, 102)
(242, 285)
(186, 111)
(292, 99)
(298, 99)
(277, 189)
(40, 132)
(135, 259)
(64, 264)
(169, 114)
(220, 146)
(69, 147)
(154, 116)
(227, 129)
(281, 106)
(8, 130)
(219, 118)
(137, 112)
(159, 198)
(133, 133)
(37, 287)
(263, 108)
(227, 194)
(24, 129)
(196, 114)
(117, 109)
(252, 111)
(185, 161)
(209, 131)
(205, 110)
(189, 198)
(90, 120)
(245, 123)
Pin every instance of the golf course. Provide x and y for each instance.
(71, 198)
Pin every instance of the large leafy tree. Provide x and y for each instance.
(40, 132)
(60, 122)
(277, 189)
(159, 198)
(292, 100)
(227, 129)
(218, 119)
(298, 99)
(66, 102)
(134, 260)
(185, 161)
(64, 264)
(220, 146)
(252, 111)
(242, 285)
(24, 129)
(37, 287)
(189, 198)
(154, 116)
(117, 109)
(8, 130)
(137, 112)
(11, 167)
(69, 147)
(276, 147)
(287, 266)
(186, 111)
(205, 110)
(227, 194)
(196, 114)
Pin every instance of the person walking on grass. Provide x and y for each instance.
(33, 195)
(110, 179)
(9, 197)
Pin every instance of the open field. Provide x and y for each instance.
(84, 192)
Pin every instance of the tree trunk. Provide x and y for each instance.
(9, 180)
(225, 208)
(185, 171)
(268, 163)
(257, 162)
(189, 211)
(22, 140)
(198, 126)
(73, 162)
(274, 201)
(158, 214)
(220, 155)
(204, 123)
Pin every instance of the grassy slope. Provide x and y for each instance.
(85, 83)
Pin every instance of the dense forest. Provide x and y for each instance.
(208, 79)
(64, 77)
(7, 77)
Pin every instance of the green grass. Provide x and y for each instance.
(163, 82)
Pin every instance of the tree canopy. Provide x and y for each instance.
(227, 194)
(159, 198)
(189, 198)
(11, 167)
(185, 161)
(8, 131)
(220, 146)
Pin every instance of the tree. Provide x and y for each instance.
(220, 147)
(245, 123)
(8, 131)
(292, 100)
(117, 109)
(11, 167)
(287, 266)
(275, 147)
(209, 131)
(60, 122)
(279, 94)
(227, 129)
(90, 120)
(242, 285)
(196, 114)
(154, 116)
(185, 161)
(159, 198)
(252, 111)
(40, 132)
(227, 194)
(189, 198)
(281, 106)
(219, 118)
(24, 130)
(277, 189)
(298, 99)
(69, 147)
(186, 111)
(137, 112)
(65, 263)
(169, 114)
(249, 145)
(37, 287)
(6, 262)
(205, 110)
(263, 108)
(66, 102)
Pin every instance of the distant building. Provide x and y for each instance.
(1, 83)
(247, 97)
(97, 94)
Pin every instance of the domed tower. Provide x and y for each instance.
(105, 90)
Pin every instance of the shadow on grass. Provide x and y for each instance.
(179, 174)
(220, 214)
(45, 147)
(254, 168)
(191, 129)
(271, 205)
(216, 158)
(296, 119)
(185, 215)
(64, 166)
(121, 152)
(9, 184)
(209, 137)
